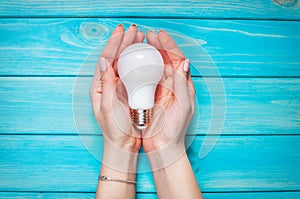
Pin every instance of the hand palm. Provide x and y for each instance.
(108, 96)
(174, 107)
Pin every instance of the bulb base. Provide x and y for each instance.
(141, 117)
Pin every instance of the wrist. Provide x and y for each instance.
(116, 174)
(166, 156)
(119, 159)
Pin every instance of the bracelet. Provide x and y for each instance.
(105, 178)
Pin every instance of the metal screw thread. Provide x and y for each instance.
(141, 117)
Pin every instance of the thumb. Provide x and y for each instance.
(164, 93)
(108, 82)
(181, 83)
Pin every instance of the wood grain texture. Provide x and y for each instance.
(215, 47)
(253, 105)
(272, 195)
(24, 195)
(237, 163)
(61, 163)
(266, 9)
(50, 143)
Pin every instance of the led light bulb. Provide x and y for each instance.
(140, 67)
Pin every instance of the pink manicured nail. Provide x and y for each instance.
(186, 65)
(102, 63)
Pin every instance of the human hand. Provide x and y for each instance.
(108, 96)
(163, 140)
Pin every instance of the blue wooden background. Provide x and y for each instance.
(255, 46)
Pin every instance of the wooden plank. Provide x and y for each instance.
(272, 195)
(237, 163)
(263, 195)
(253, 106)
(276, 9)
(26, 195)
(216, 47)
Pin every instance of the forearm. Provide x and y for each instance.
(177, 180)
(114, 189)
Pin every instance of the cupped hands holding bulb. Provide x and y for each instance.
(163, 140)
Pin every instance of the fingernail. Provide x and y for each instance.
(133, 25)
(161, 31)
(120, 26)
(186, 65)
(102, 63)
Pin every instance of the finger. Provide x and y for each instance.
(169, 45)
(164, 92)
(128, 39)
(108, 83)
(121, 92)
(192, 94)
(153, 40)
(180, 65)
(95, 92)
(181, 84)
(186, 69)
(95, 81)
(191, 87)
(192, 91)
(113, 45)
(96, 89)
(139, 38)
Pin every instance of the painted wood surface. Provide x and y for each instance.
(48, 51)
(255, 9)
(43, 105)
(215, 47)
(237, 163)
(272, 195)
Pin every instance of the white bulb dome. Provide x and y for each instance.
(140, 67)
